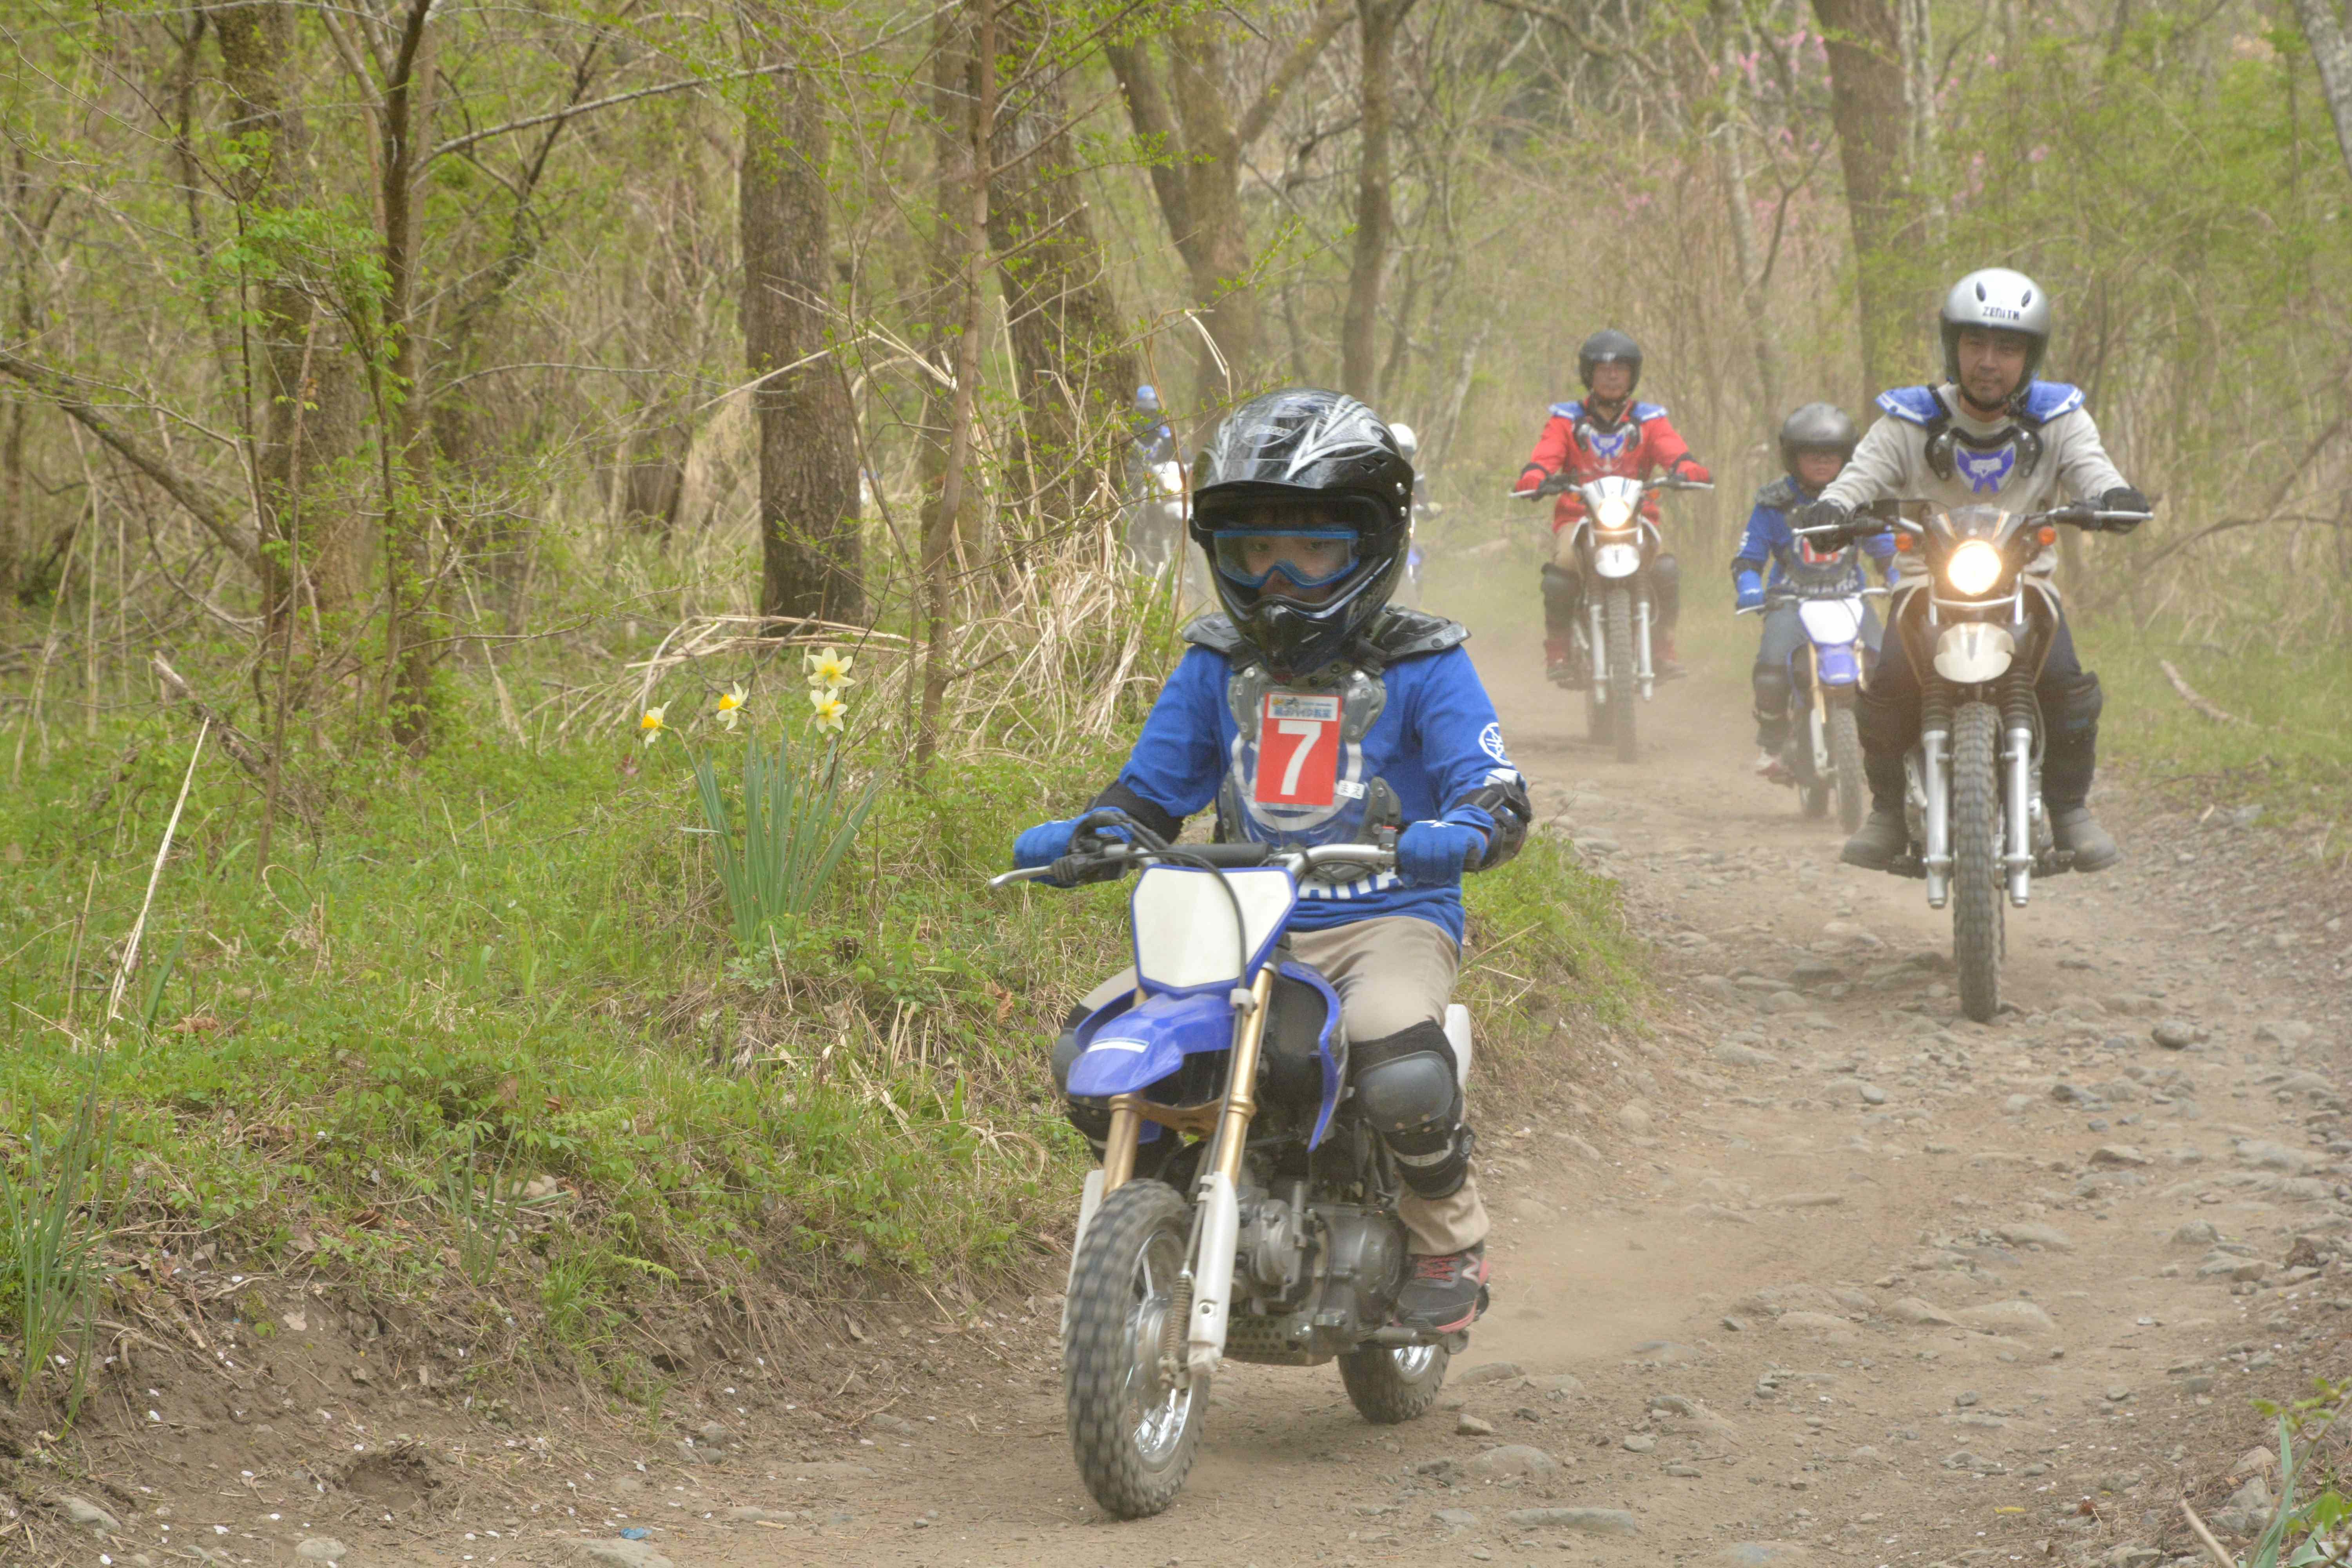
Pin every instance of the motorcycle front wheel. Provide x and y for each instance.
(1132, 1430)
(1388, 1385)
(1976, 906)
(1845, 756)
(1618, 615)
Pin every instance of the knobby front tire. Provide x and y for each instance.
(1133, 1433)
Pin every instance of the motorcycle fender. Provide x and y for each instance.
(1973, 652)
(1617, 560)
(1831, 621)
(1837, 663)
(1127, 1050)
(1457, 1034)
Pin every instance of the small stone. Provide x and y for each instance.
(1468, 1425)
(1558, 1384)
(87, 1515)
(321, 1549)
(886, 1422)
(1485, 1372)
(1762, 1555)
(711, 1435)
(1640, 1443)
(1635, 1117)
(1872, 1095)
(1735, 1325)
(1965, 1398)
(2011, 1317)
(1731, 1053)
(1686, 1471)
(1583, 1521)
(1919, 1314)
(1961, 1459)
(1513, 1459)
(2117, 1394)
(2016, 1105)
(2118, 1155)
(2248, 1511)
(1456, 1518)
(621, 1554)
(2048, 1236)
(2174, 1034)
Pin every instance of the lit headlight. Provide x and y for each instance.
(1973, 568)
(1614, 513)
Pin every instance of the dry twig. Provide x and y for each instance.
(2190, 694)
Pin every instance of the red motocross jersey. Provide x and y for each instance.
(1641, 441)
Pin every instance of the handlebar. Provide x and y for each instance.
(1881, 515)
(1560, 484)
(1222, 856)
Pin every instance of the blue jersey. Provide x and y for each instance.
(1770, 542)
(1432, 739)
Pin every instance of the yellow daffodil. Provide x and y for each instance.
(830, 710)
(828, 670)
(652, 724)
(730, 704)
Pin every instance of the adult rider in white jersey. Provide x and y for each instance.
(1990, 434)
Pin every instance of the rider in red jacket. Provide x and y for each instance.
(1607, 433)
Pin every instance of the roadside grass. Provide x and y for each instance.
(490, 1042)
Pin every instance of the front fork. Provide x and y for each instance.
(1600, 647)
(1935, 784)
(1642, 670)
(2017, 711)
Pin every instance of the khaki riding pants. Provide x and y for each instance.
(1391, 973)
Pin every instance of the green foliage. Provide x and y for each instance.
(798, 819)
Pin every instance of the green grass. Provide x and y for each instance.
(501, 968)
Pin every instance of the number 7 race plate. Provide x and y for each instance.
(1297, 750)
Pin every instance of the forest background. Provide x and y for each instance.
(414, 395)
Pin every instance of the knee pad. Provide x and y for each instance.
(1562, 587)
(1405, 1089)
(1771, 684)
(1666, 587)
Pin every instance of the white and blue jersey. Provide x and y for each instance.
(1317, 764)
(1770, 547)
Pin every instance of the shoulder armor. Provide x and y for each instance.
(2046, 400)
(1406, 633)
(1645, 412)
(1780, 495)
(1569, 411)
(1216, 633)
(1914, 404)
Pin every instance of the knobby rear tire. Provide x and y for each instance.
(1845, 756)
(1134, 1437)
(1977, 890)
(1619, 618)
(1388, 1386)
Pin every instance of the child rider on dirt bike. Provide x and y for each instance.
(1607, 433)
(1815, 442)
(1300, 503)
(1990, 436)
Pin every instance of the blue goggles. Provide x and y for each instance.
(1304, 557)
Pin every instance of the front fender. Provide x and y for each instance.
(1126, 1047)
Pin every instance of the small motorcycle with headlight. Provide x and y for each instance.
(1977, 627)
(1246, 1209)
(1616, 546)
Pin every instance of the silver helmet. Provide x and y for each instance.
(2003, 300)
(1407, 442)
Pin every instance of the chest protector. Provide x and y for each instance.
(1985, 463)
(1297, 772)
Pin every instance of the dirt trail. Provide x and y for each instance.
(1855, 1282)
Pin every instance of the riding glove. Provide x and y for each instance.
(1750, 590)
(1531, 479)
(1050, 841)
(2123, 498)
(1690, 472)
(1432, 854)
(1820, 514)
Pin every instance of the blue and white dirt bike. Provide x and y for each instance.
(1822, 756)
(1243, 1209)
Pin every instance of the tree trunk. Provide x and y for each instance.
(812, 562)
(1867, 107)
(939, 534)
(1073, 367)
(410, 625)
(1375, 218)
(2331, 51)
(1198, 177)
(301, 374)
(1739, 201)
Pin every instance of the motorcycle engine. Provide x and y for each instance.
(1363, 1266)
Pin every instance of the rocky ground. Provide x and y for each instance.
(1813, 1273)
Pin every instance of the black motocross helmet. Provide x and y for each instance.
(1606, 346)
(1817, 427)
(1325, 458)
